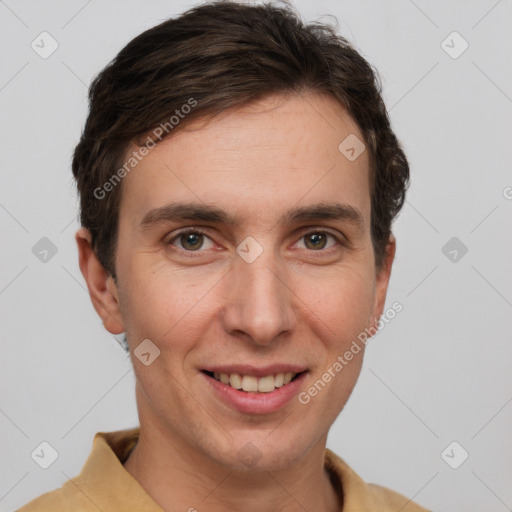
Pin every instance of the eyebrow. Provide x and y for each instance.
(180, 211)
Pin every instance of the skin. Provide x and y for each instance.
(296, 303)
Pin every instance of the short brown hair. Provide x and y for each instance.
(223, 55)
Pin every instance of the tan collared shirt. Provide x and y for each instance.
(105, 485)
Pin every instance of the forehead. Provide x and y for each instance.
(279, 152)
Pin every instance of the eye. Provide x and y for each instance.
(319, 240)
(195, 240)
(191, 240)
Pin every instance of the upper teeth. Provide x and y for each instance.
(253, 384)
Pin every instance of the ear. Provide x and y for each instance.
(102, 288)
(382, 281)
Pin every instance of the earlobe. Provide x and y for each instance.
(102, 289)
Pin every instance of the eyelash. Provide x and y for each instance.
(339, 241)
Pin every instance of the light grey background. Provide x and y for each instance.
(439, 372)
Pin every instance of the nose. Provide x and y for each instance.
(259, 303)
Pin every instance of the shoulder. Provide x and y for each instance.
(103, 481)
(391, 500)
(366, 497)
(57, 501)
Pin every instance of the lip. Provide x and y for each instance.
(261, 371)
(256, 403)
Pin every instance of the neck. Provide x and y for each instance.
(179, 478)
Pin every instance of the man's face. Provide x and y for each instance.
(263, 295)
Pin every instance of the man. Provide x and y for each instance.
(238, 177)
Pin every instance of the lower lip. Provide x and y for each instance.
(256, 403)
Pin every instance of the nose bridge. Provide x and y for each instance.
(260, 302)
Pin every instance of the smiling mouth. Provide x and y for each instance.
(252, 384)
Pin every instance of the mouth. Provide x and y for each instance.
(255, 390)
(252, 383)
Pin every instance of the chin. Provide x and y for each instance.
(266, 455)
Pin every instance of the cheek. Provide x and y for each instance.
(342, 304)
(158, 304)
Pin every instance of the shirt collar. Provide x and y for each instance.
(105, 481)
